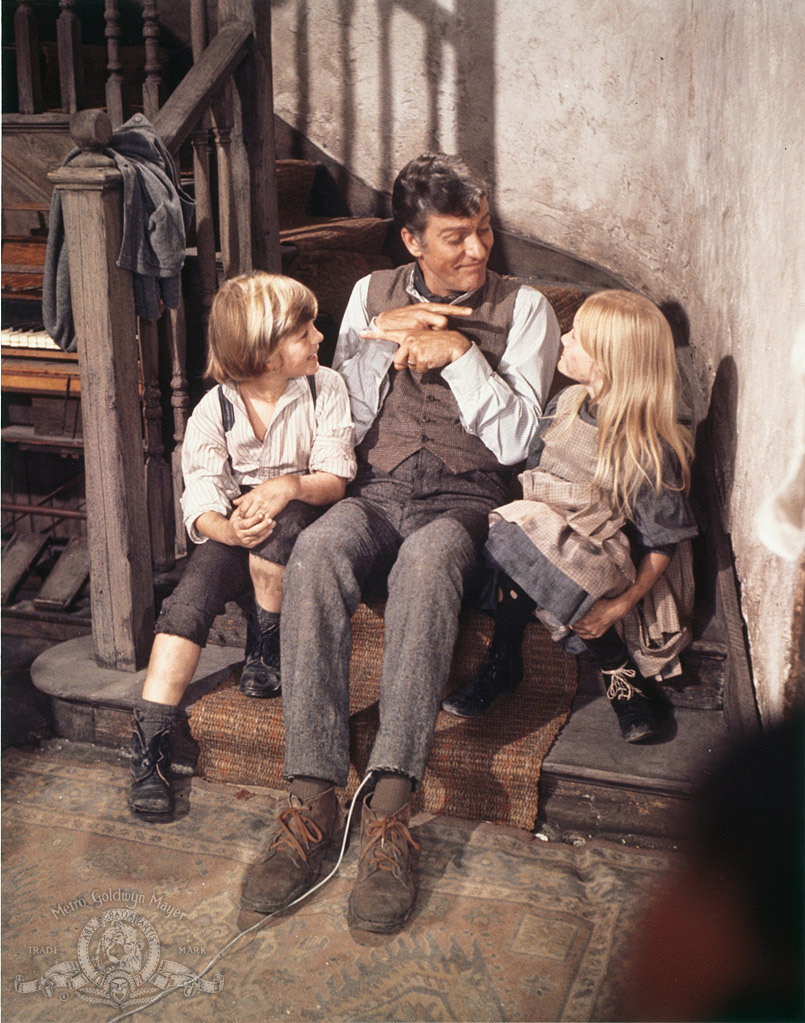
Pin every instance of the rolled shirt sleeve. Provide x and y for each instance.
(364, 365)
(209, 484)
(502, 407)
(333, 447)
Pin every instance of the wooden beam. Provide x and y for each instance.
(121, 579)
(254, 81)
(201, 84)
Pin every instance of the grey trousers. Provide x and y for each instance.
(423, 527)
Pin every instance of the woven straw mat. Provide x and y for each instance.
(487, 768)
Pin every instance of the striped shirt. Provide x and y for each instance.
(215, 464)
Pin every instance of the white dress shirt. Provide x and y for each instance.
(500, 407)
(298, 441)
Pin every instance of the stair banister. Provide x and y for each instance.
(121, 576)
(183, 109)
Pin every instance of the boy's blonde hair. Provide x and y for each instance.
(631, 343)
(251, 315)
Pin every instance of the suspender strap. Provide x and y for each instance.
(227, 410)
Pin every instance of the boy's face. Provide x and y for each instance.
(297, 355)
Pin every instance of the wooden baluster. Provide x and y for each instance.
(255, 86)
(71, 58)
(26, 44)
(158, 484)
(115, 102)
(173, 335)
(121, 577)
(227, 214)
(200, 138)
(153, 68)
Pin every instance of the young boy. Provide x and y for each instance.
(265, 452)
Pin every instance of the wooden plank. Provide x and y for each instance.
(66, 577)
(42, 377)
(182, 111)
(20, 553)
(573, 807)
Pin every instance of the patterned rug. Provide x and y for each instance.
(101, 911)
(487, 768)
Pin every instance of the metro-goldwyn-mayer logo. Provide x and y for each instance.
(118, 962)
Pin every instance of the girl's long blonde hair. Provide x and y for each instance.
(631, 343)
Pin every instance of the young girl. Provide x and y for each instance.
(607, 478)
(264, 452)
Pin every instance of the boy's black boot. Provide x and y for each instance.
(641, 709)
(501, 672)
(261, 672)
(151, 792)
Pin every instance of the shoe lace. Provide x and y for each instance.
(620, 687)
(386, 837)
(297, 830)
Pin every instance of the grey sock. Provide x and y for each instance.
(152, 717)
(391, 793)
(308, 788)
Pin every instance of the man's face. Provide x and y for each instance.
(453, 251)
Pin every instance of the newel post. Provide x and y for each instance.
(121, 577)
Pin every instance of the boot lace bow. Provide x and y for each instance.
(386, 837)
(297, 830)
(620, 684)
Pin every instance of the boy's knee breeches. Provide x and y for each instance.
(218, 573)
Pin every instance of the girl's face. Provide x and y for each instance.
(575, 363)
(297, 355)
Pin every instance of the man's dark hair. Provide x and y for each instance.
(435, 183)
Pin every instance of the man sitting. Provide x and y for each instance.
(447, 366)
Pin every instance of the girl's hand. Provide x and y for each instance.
(601, 616)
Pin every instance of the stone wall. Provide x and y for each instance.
(659, 139)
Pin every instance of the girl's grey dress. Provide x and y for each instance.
(567, 545)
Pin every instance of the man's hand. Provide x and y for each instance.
(432, 315)
(421, 350)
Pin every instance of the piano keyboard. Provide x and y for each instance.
(27, 337)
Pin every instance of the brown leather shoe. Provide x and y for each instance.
(384, 892)
(292, 862)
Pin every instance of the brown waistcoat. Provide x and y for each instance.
(420, 411)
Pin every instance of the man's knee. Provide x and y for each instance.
(436, 555)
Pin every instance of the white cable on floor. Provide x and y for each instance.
(260, 923)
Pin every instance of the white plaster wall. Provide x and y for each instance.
(661, 139)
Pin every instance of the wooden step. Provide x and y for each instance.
(19, 554)
(294, 183)
(66, 577)
(344, 234)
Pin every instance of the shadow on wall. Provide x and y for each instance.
(468, 30)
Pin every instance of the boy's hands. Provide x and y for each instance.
(249, 531)
(263, 503)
